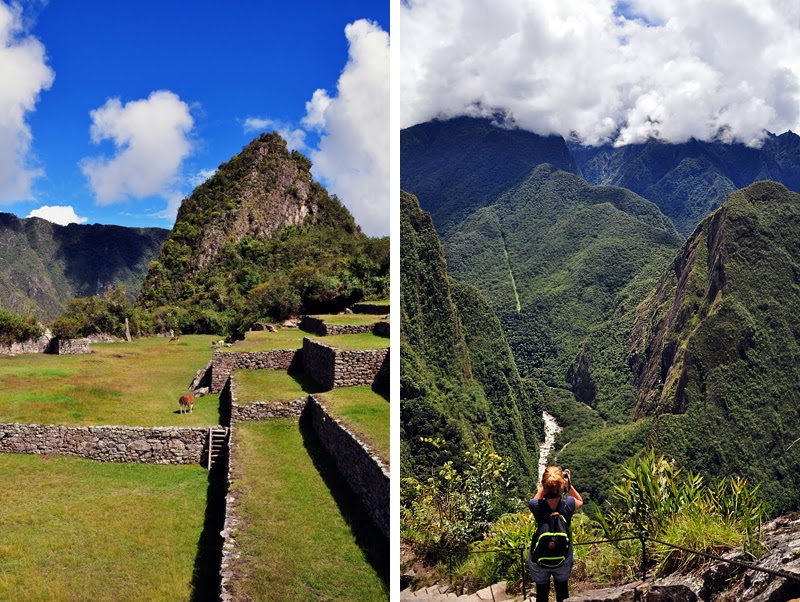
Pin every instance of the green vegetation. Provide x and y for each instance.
(135, 383)
(365, 412)
(355, 342)
(44, 265)
(272, 385)
(690, 180)
(651, 494)
(457, 166)
(15, 329)
(450, 390)
(75, 529)
(452, 508)
(236, 255)
(297, 543)
(715, 347)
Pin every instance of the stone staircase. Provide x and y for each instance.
(435, 593)
(217, 445)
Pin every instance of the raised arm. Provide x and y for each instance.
(573, 492)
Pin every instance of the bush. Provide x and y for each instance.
(15, 329)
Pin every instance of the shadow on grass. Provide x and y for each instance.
(371, 541)
(205, 577)
(307, 383)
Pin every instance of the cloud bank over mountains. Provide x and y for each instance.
(606, 71)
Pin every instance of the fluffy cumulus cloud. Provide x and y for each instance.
(605, 70)
(151, 138)
(353, 152)
(295, 137)
(58, 214)
(24, 74)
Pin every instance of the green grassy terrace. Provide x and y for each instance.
(271, 385)
(263, 340)
(79, 530)
(136, 384)
(365, 412)
(295, 538)
(354, 342)
(350, 319)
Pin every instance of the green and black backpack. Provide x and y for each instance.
(551, 541)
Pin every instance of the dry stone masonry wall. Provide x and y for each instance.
(381, 329)
(152, 445)
(260, 410)
(321, 328)
(364, 471)
(225, 362)
(371, 308)
(332, 368)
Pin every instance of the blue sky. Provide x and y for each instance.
(148, 97)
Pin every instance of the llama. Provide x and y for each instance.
(175, 337)
(187, 403)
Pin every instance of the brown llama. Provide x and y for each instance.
(176, 337)
(187, 403)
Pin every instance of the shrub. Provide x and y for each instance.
(15, 329)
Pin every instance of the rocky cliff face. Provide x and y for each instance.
(44, 265)
(715, 348)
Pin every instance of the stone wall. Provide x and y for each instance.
(40, 345)
(152, 445)
(332, 368)
(259, 410)
(225, 362)
(230, 547)
(321, 328)
(362, 469)
(70, 346)
(381, 329)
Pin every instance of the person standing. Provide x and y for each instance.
(550, 553)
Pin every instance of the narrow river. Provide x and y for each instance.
(551, 429)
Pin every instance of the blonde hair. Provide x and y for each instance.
(553, 481)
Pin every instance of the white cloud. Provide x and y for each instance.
(353, 152)
(151, 137)
(24, 73)
(295, 138)
(58, 214)
(200, 177)
(671, 68)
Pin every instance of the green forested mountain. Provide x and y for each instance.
(457, 166)
(459, 381)
(716, 347)
(260, 239)
(687, 181)
(564, 265)
(44, 265)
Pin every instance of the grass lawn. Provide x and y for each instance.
(74, 529)
(365, 412)
(355, 342)
(263, 340)
(295, 542)
(350, 319)
(135, 383)
(271, 385)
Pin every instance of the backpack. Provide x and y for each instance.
(551, 541)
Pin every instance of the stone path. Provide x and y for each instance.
(435, 593)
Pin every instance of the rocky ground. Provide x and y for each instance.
(717, 582)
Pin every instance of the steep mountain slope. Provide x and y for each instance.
(261, 239)
(44, 265)
(716, 347)
(458, 378)
(687, 181)
(564, 265)
(455, 167)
